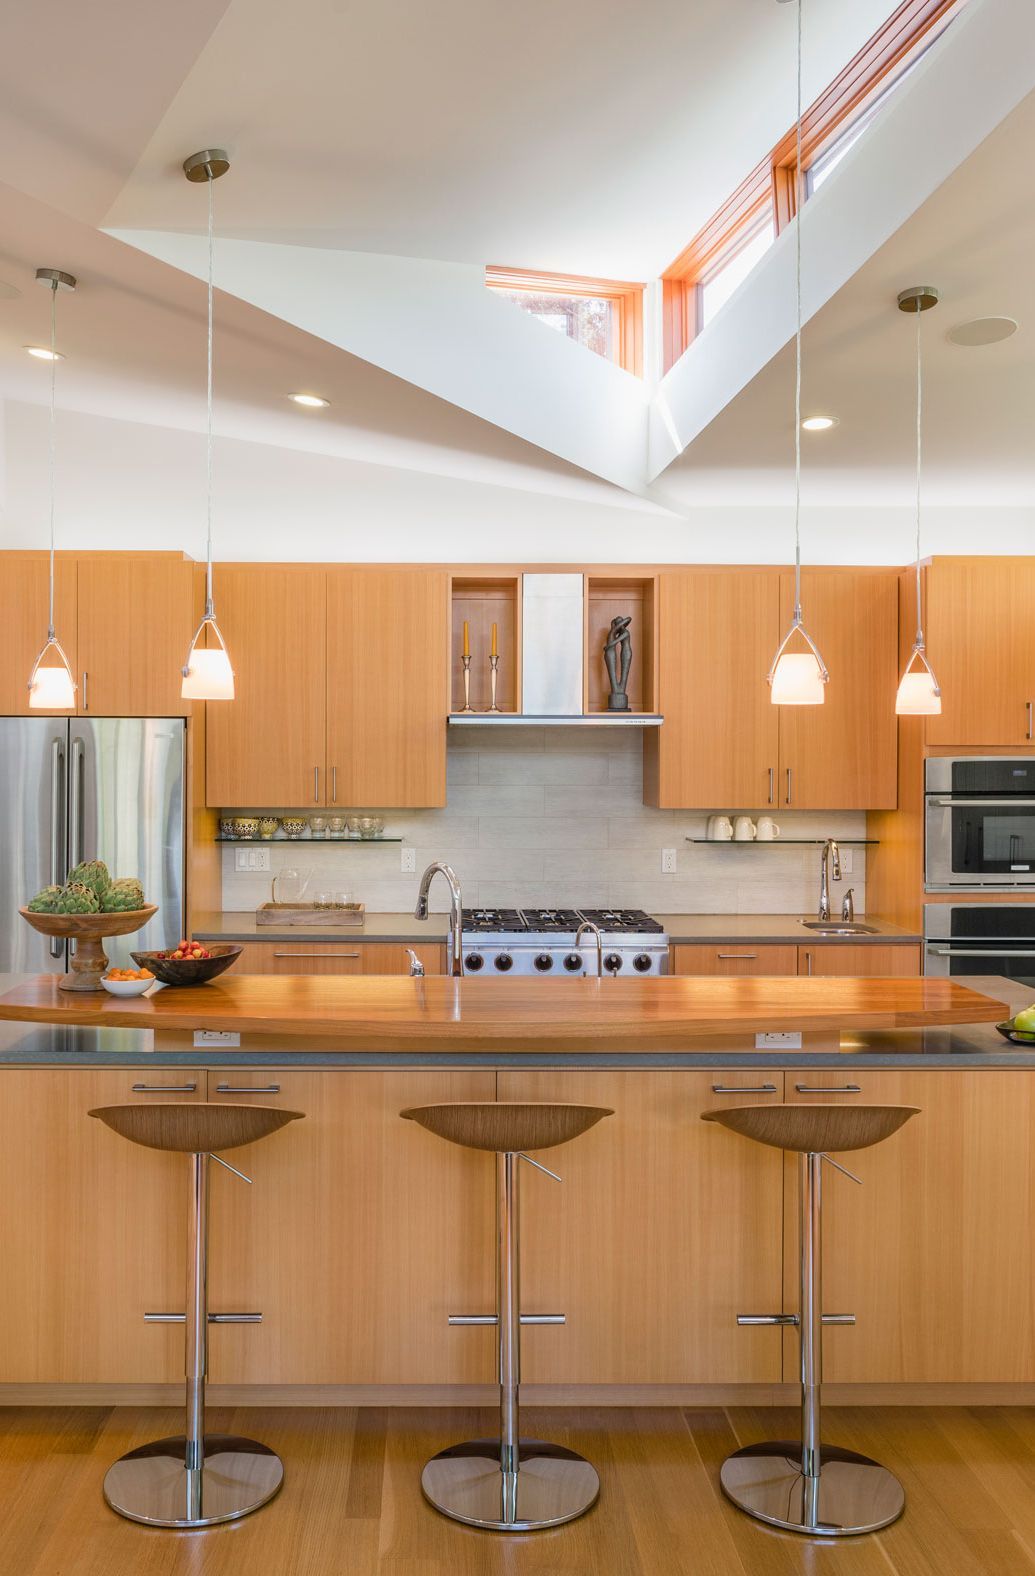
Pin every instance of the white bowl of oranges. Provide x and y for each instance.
(127, 982)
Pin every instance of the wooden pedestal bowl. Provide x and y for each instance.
(88, 931)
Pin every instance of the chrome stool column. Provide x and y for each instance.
(509, 1484)
(195, 1479)
(805, 1485)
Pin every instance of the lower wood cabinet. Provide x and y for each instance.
(337, 957)
(734, 958)
(853, 958)
(768, 958)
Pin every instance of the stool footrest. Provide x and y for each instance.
(493, 1319)
(213, 1318)
(791, 1319)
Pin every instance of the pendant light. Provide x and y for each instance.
(207, 674)
(51, 685)
(796, 678)
(918, 693)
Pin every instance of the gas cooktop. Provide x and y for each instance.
(493, 921)
(541, 941)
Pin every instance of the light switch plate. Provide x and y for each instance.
(251, 859)
(668, 861)
(220, 1037)
(408, 861)
(777, 1042)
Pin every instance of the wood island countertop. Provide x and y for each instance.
(386, 1013)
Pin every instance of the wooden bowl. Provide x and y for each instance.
(89, 961)
(189, 971)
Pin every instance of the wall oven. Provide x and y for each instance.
(979, 824)
(980, 938)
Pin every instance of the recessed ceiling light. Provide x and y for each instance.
(312, 400)
(819, 423)
(43, 354)
(983, 331)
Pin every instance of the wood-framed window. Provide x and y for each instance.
(604, 315)
(768, 194)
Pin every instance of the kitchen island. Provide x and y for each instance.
(362, 1232)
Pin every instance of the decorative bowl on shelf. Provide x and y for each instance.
(366, 825)
(1015, 1036)
(246, 826)
(294, 826)
(268, 826)
(189, 971)
(88, 931)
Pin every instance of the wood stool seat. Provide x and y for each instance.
(814, 1129)
(194, 1128)
(507, 1128)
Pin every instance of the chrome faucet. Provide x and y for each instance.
(848, 907)
(587, 924)
(829, 865)
(416, 966)
(456, 910)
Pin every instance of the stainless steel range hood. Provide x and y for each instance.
(552, 664)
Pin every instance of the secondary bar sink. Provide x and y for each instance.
(832, 927)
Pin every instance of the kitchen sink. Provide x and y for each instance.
(833, 927)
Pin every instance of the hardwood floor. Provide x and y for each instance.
(352, 1506)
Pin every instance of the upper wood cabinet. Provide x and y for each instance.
(387, 686)
(981, 641)
(842, 755)
(23, 621)
(267, 747)
(723, 744)
(135, 620)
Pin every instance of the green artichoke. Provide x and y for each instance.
(123, 895)
(93, 873)
(46, 902)
(76, 898)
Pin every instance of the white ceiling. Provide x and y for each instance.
(595, 136)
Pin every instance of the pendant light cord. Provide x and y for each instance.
(919, 469)
(208, 431)
(51, 456)
(797, 340)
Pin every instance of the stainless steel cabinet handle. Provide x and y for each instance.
(772, 784)
(1028, 707)
(743, 1088)
(86, 703)
(247, 1088)
(734, 955)
(790, 783)
(808, 964)
(316, 954)
(979, 952)
(334, 785)
(165, 1088)
(828, 1089)
(316, 785)
(1000, 804)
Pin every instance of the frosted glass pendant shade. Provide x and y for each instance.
(918, 693)
(51, 685)
(797, 680)
(207, 675)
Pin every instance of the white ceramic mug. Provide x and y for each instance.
(767, 830)
(720, 828)
(743, 829)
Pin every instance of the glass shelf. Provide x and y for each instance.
(293, 842)
(783, 842)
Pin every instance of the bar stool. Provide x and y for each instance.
(196, 1479)
(509, 1484)
(807, 1486)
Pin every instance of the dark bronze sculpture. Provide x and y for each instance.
(618, 659)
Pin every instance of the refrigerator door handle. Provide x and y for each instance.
(57, 826)
(75, 819)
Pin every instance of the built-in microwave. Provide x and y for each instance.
(980, 938)
(979, 823)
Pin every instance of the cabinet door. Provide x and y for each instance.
(267, 747)
(94, 1230)
(846, 958)
(734, 958)
(935, 1254)
(135, 623)
(360, 1235)
(843, 755)
(981, 639)
(718, 743)
(665, 1229)
(387, 686)
(24, 600)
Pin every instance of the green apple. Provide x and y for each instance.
(1024, 1022)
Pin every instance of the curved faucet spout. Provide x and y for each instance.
(456, 910)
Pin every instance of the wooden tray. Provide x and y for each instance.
(348, 918)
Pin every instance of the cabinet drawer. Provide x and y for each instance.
(301, 957)
(734, 958)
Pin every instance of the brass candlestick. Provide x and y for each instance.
(467, 684)
(494, 663)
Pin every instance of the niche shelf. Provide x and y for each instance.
(484, 600)
(612, 596)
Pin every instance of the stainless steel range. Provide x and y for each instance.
(542, 941)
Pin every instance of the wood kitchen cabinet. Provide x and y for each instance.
(387, 686)
(24, 598)
(723, 743)
(665, 1229)
(135, 621)
(337, 957)
(859, 960)
(981, 641)
(734, 958)
(935, 1254)
(360, 1234)
(268, 746)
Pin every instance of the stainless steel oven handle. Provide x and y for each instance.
(998, 804)
(980, 952)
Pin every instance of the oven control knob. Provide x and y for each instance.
(503, 962)
(473, 962)
(544, 962)
(573, 962)
(641, 962)
(613, 962)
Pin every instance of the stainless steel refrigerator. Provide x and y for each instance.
(77, 788)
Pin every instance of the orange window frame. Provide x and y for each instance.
(772, 183)
(627, 298)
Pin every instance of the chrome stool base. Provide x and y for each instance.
(552, 1485)
(852, 1494)
(152, 1485)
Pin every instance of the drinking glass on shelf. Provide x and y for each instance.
(341, 899)
(325, 899)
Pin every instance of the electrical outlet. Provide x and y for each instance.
(668, 861)
(846, 861)
(223, 1037)
(408, 861)
(777, 1042)
(252, 859)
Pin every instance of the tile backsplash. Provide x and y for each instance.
(539, 816)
